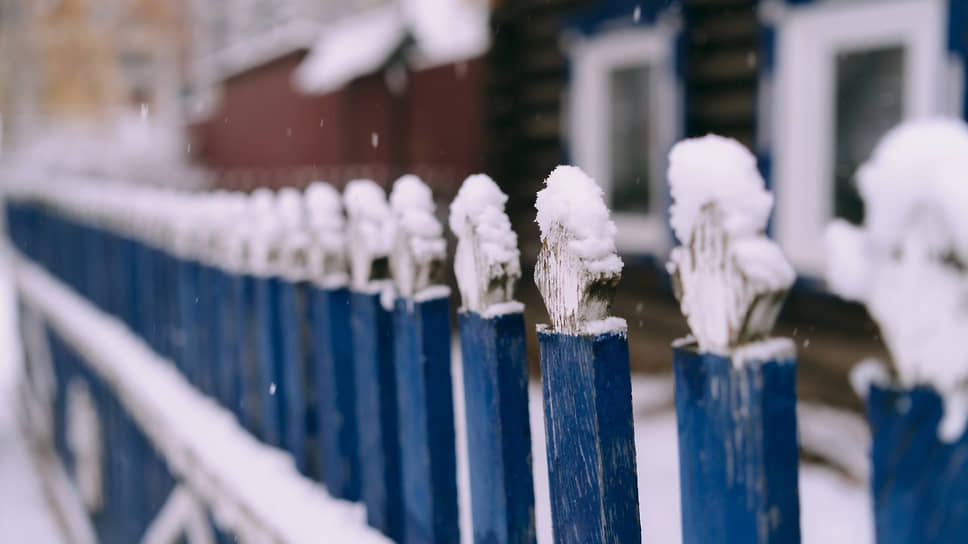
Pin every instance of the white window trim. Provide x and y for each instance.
(592, 62)
(808, 40)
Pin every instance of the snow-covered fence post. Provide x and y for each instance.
(185, 336)
(735, 386)
(495, 365)
(295, 386)
(230, 240)
(907, 264)
(268, 421)
(369, 238)
(421, 354)
(585, 367)
(332, 348)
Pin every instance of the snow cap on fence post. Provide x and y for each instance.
(327, 226)
(263, 252)
(294, 238)
(419, 249)
(369, 235)
(907, 262)
(730, 278)
(236, 229)
(487, 261)
(577, 270)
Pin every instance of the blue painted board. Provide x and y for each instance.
(590, 441)
(231, 339)
(204, 335)
(250, 388)
(919, 483)
(421, 340)
(295, 373)
(738, 452)
(268, 361)
(377, 414)
(332, 354)
(185, 337)
(495, 366)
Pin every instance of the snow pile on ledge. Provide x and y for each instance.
(356, 46)
(369, 234)
(419, 249)
(487, 261)
(909, 261)
(443, 31)
(577, 270)
(730, 278)
(327, 257)
(448, 30)
(253, 490)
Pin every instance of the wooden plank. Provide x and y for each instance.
(919, 483)
(293, 386)
(270, 425)
(421, 352)
(229, 339)
(377, 414)
(738, 453)
(495, 370)
(332, 359)
(187, 322)
(206, 306)
(591, 447)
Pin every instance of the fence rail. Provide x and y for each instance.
(192, 336)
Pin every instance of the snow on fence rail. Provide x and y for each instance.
(192, 336)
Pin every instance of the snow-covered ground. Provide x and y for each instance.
(25, 515)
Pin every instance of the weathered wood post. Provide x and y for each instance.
(296, 379)
(907, 265)
(495, 365)
(585, 367)
(265, 404)
(735, 386)
(332, 343)
(369, 238)
(421, 353)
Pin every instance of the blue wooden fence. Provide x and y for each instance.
(356, 387)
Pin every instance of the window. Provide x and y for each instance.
(623, 117)
(629, 120)
(869, 101)
(844, 74)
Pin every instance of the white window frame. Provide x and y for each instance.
(802, 123)
(593, 60)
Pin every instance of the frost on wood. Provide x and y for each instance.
(419, 249)
(327, 227)
(730, 278)
(487, 261)
(577, 270)
(369, 234)
(909, 261)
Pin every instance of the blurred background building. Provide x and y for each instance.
(282, 92)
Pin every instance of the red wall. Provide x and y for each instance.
(264, 132)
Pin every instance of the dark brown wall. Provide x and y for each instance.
(262, 122)
(266, 133)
